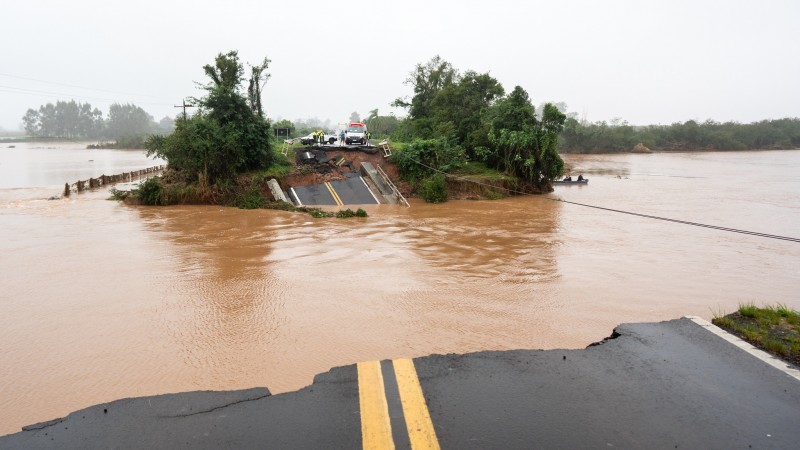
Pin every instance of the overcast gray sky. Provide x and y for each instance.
(643, 61)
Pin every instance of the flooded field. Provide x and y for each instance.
(100, 301)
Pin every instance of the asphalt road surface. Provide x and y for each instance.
(350, 191)
(660, 385)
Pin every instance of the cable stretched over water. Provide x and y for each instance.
(685, 222)
(648, 216)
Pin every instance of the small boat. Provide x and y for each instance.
(583, 181)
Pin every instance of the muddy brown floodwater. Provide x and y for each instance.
(100, 301)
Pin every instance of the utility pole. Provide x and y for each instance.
(184, 106)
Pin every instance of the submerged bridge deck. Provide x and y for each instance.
(350, 191)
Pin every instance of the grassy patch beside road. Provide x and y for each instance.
(775, 329)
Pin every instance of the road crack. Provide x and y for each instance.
(43, 425)
(219, 407)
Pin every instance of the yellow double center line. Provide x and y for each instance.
(376, 428)
(334, 194)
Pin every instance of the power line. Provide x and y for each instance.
(685, 222)
(184, 106)
(79, 87)
(16, 90)
(648, 216)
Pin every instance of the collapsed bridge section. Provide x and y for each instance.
(352, 190)
(363, 183)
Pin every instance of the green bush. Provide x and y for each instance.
(347, 213)
(318, 213)
(424, 157)
(116, 194)
(492, 195)
(434, 189)
(150, 192)
(251, 199)
(180, 193)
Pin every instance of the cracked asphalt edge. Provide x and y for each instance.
(215, 408)
(177, 403)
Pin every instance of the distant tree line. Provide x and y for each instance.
(72, 120)
(619, 136)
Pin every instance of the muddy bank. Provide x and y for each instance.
(476, 188)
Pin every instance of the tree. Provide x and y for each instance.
(427, 80)
(65, 120)
(227, 135)
(166, 125)
(226, 73)
(32, 122)
(382, 125)
(458, 109)
(128, 120)
(285, 123)
(618, 136)
(514, 112)
(530, 153)
(257, 81)
(200, 148)
(354, 117)
(561, 106)
(446, 104)
(373, 115)
(91, 121)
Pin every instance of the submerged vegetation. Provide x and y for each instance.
(775, 329)
(123, 142)
(348, 213)
(434, 189)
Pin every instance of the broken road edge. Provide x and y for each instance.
(190, 403)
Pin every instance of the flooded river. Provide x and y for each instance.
(100, 301)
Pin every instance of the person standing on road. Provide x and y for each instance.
(341, 138)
